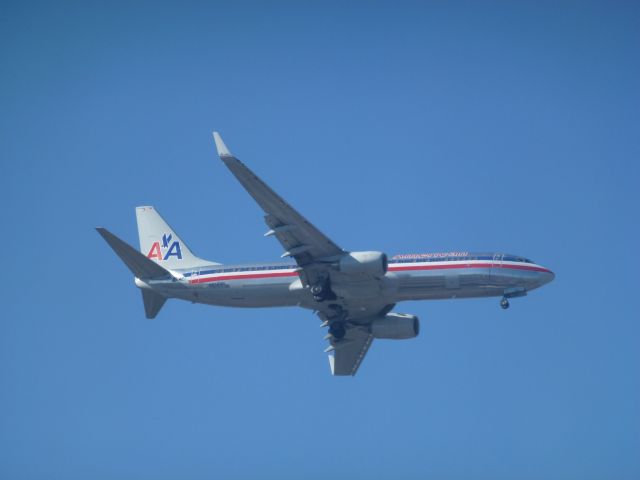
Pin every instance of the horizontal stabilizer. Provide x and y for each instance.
(153, 302)
(139, 265)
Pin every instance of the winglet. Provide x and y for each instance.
(223, 151)
(332, 362)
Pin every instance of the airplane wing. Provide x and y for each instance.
(300, 239)
(312, 250)
(350, 351)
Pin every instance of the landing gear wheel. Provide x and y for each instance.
(504, 303)
(319, 292)
(337, 330)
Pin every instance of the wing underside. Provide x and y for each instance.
(350, 351)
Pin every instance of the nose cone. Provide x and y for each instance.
(546, 276)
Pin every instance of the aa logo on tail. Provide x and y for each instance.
(169, 249)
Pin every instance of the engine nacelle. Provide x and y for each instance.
(397, 326)
(364, 263)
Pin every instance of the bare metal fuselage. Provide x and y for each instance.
(277, 284)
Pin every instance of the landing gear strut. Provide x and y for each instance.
(504, 303)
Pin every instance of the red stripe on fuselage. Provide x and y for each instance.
(438, 267)
(248, 276)
(467, 265)
(252, 276)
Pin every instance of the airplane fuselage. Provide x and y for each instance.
(408, 277)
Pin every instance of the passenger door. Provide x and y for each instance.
(496, 263)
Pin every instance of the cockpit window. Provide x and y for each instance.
(514, 258)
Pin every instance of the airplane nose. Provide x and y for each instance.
(546, 277)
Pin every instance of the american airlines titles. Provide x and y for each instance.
(419, 256)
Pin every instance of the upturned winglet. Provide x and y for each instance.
(223, 151)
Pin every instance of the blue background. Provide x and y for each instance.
(399, 127)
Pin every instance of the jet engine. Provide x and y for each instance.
(396, 326)
(364, 263)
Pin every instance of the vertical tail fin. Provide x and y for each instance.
(161, 244)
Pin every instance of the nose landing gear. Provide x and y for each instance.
(511, 293)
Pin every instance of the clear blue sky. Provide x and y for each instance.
(398, 127)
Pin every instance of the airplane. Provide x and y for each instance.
(353, 293)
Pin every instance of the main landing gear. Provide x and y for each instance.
(337, 322)
(322, 291)
(504, 303)
(337, 330)
(318, 292)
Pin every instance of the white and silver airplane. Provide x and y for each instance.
(353, 293)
